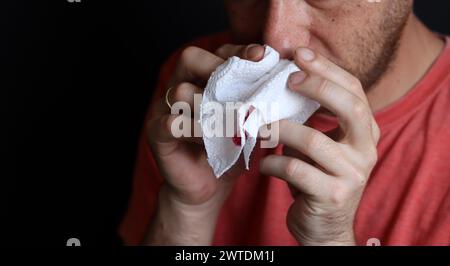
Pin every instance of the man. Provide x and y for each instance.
(373, 163)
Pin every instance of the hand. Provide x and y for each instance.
(327, 173)
(191, 197)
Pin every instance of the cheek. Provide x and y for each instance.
(340, 34)
(329, 36)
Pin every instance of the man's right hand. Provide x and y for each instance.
(191, 197)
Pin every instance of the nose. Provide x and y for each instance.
(287, 26)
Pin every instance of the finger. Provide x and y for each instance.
(315, 63)
(195, 64)
(313, 144)
(355, 116)
(229, 50)
(184, 92)
(300, 175)
(167, 129)
(252, 52)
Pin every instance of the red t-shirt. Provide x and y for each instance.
(407, 198)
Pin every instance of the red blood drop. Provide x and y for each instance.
(237, 140)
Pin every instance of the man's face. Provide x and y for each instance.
(359, 35)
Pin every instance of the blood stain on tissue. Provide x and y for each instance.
(236, 139)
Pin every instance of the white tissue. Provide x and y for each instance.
(256, 85)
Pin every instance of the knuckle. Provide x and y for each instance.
(355, 85)
(316, 142)
(204, 191)
(181, 90)
(339, 195)
(325, 67)
(188, 53)
(372, 157)
(358, 109)
(367, 159)
(359, 179)
(223, 49)
(357, 174)
(292, 168)
(376, 131)
(324, 88)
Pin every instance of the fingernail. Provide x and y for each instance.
(254, 51)
(306, 54)
(296, 78)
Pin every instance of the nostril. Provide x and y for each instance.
(287, 53)
(282, 45)
(237, 140)
(282, 38)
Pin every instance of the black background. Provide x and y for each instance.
(77, 79)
